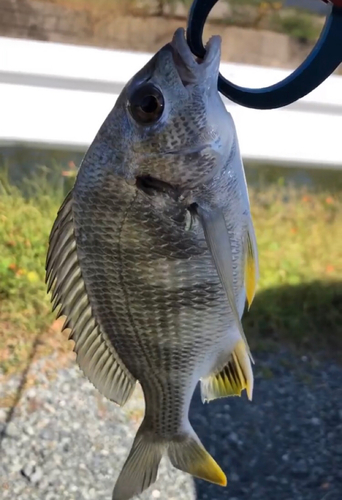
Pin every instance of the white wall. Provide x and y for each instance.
(56, 95)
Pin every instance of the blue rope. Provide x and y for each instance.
(324, 58)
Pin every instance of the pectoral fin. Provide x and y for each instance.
(218, 241)
(251, 264)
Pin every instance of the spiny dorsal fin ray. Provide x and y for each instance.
(235, 376)
(95, 355)
(251, 264)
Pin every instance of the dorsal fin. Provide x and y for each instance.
(95, 354)
(234, 377)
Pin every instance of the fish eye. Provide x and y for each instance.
(146, 104)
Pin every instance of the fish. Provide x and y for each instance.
(153, 257)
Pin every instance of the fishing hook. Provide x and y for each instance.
(324, 58)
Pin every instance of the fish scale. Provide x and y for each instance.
(141, 238)
(153, 255)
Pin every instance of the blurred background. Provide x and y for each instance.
(62, 65)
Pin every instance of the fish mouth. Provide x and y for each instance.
(192, 69)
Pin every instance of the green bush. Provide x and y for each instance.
(26, 217)
(299, 294)
(298, 25)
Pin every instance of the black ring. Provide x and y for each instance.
(324, 58)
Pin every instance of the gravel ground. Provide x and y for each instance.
(64, 441)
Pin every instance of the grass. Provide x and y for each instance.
(300, 290)
(25, 223)
(299, 300)
(299, 25)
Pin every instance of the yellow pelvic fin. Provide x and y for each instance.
(189, 455)
(251, 265)
(235, 376)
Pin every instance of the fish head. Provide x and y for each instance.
(170, 135)
(169, 122)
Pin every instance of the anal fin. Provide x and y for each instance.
(235, 376)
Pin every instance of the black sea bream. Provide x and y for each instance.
(153, 255)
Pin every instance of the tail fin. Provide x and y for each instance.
(141, 467)
(189, 455)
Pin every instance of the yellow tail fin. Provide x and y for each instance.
(189, 455)
(141, 467)
(186, 453)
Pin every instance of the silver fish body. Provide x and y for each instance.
(152, 254)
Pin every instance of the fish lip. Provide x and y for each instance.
(191, 68)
